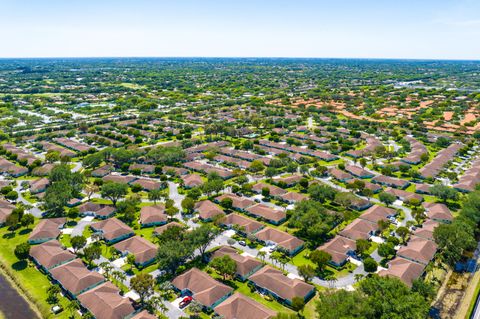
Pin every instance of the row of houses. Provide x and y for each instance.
(11, 169)
(433, 168)
(299, 150)
(73, 145)
(371, 144)
(207, 168)
(417, 150)
(468, 181)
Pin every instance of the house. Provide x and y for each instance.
(50, 254)
(359, 229)
(371, 186)
(105, 302)
(241, 223)
(340, 248)
(75, 278)
(267, 213)
(239, 203)
(390, 181)
(144, 251)
(207, 210)
(404, 195)
(38, 185)
(288, 181)
(438, 212)
(119, 179)
(403, 269)
(284, 241)
(191, 180)
(203, 288)
(293, 197)
(240, 307)
(426, 231)
(359, 204)
(112, 230)
(433, 168)
(422, 189)
(144, 315)
(46, 229)
(161, 229)
(358, 172)
(275, 191)
(376, 213)
(340, 175)
(246, 265)
(143, 168)
(153, 216)
(273, 282)
(419, 250)
(5, 210)
(147, 184)
(102, 171)
(171, 170)
(97, 210)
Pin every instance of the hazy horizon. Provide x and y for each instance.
(372, 29)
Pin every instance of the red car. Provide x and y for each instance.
(185, 302)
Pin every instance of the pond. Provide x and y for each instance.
(12, 304)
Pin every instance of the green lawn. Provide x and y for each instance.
(26, 274)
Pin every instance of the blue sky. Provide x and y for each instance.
(445, 29)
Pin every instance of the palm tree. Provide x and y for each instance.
(261, 254)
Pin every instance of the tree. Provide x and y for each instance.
(370, 265)
(27, 220)
(202, 236)
(91, 189)
(256, 166)
(73, 307)
(443, 192)
(155, 195)
(73, 213)
(143, 284)
(188, 204)
(362, 246)
(13, 196)
(386, 249)
(52, 294)
(403, 232)
(265, 191)
(131, 260)
(226, 203)
(22, 251)
(320, 258)
(306, 271)
(78, 242)
(261, 254)
(386, 198)
(225, 266)
(334, 304)
(453, 240)
(363, 162)
(92, 252)
(298, 303)
(12, 221)
(114, 191)
(321, 193)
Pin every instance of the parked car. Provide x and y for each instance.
(185, 302)
(242, 243)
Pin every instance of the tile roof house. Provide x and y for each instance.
(46, 229)
(404, 195)
(144, 251)
(358, 171)
(105, 302)
(340, 175)
(144, 315)
(39, 185)
(192, 180)
(293, 197)
(147, 184)
(153, 216)
(419, 250)
(97, 210)
(50, 254)
(207, 210)
(403, 269)
(241, 223)
(267, 213)
(240, 307)
(426, 231)
(5, 210)
(284, 241)
(376, 213)
(246, 265)
(340, 248)
(359, 229)
(161, 229)
(390, 181)
(75, 278)
(112, 230)
(438, 212)
(203, 288)
(238, 202)
(289, 181)
(274, 190)
(284, 289)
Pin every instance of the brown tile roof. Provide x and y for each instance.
(5, 210)
(426, 231)
(240, 307)
(248, 224)
(161, 229)
(376, 213)
(359, 229)
(405, 270)
(275, 281)
(112, 228)
(47, 228)
(338, 248)
(245, 264)
(282, 239)
(105, 302)
(207, 210)
(438, 211)
(142, 249)
(205, 289)
(143, 315)
(294, 197)
(238, 202)
(75, 277)
(266, 212)
(274, 190)
(153, 214)
(419, 250)
(147, 184)
(192, 180)
(50, 254)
